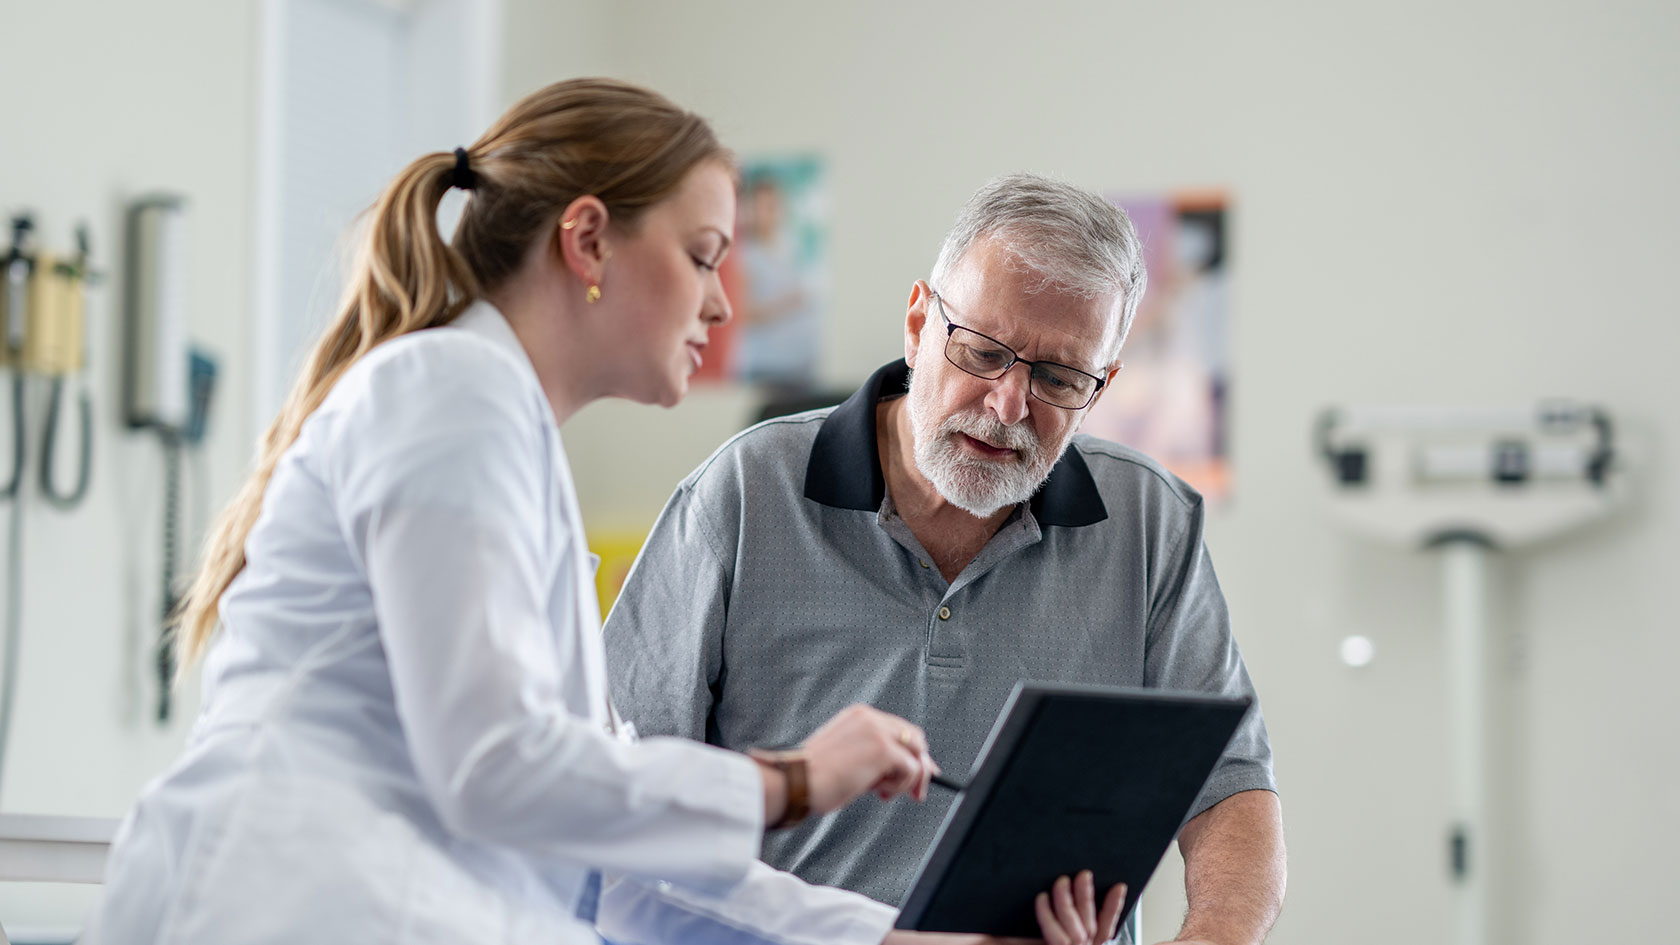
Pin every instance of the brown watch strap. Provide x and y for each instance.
(795, 776)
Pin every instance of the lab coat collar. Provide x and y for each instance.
(487, 322)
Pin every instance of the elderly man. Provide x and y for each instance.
(934, 539)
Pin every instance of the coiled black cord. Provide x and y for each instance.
(171, 526)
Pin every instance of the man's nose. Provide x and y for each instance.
(1009, 393)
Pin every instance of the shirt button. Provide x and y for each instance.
(944, 613)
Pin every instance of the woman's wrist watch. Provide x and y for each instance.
(796, 776)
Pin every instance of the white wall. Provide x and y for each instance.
(1442, 203)
(353, 91)
(108, 100)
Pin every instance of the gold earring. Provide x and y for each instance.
(593, 295)
(568, 224)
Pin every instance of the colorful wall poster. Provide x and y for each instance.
(776, 277)
(1172, 398)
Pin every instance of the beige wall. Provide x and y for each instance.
(1439, 203)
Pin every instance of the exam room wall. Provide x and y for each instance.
(106, 101)
(1442, 203)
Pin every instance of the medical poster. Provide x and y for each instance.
(776, 278)
(1172, 398)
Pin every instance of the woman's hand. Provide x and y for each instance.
(1067, 914)
(864, 749)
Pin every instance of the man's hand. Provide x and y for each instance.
(1067, 915)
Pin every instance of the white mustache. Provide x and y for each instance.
(987, 428)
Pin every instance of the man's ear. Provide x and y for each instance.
(581, 237)
(915, 319)
(1108, 384)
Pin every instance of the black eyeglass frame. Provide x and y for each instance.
(1032, 377)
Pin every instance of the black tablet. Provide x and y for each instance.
(1070, 778)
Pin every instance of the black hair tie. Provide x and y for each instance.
(464, 177)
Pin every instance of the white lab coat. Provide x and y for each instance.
(406, 735)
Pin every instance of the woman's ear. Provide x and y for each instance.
(580, 237)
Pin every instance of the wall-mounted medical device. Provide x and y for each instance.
(167, 384)
(14, 301)
(43, 309)
(55, 328)
(18, 271)
(156, 360)
(43, 318)
(1464, 483)
(1412, 476)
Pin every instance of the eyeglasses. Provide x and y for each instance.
(1056, 384)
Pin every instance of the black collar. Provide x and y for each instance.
(845, 469)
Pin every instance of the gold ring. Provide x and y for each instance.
(907, 737)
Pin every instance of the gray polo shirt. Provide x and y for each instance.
(778, 587)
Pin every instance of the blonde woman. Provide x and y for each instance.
(406, 734)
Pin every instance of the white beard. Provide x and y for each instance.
(978, 486)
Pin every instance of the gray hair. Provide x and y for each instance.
(1075, 240)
